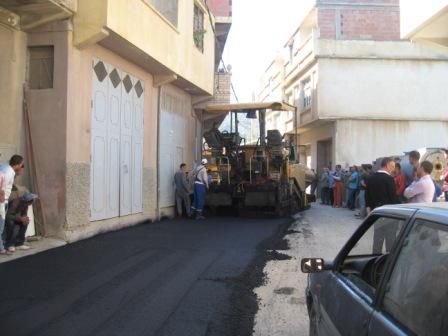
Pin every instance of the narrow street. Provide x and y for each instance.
(318, 232)
(178, 277)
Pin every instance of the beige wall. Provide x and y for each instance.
(311, 137)
(362, 141)
(383, 89)
(146, 29)
(47, 110)
(12, 78)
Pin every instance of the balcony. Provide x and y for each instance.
(425, 21)
(26, 15)
(303, 57)
(143, 33)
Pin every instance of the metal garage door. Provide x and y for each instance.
(173, 143)
(116, 143)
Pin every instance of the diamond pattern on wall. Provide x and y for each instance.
(138, 88)
(115, 78)
(127, 82)
(100, 71)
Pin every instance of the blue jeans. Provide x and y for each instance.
(362, 203)
(351, 198)
(199, 197)
(15, 240)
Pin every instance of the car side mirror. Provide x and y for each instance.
(312, 265)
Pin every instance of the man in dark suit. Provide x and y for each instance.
(380, 190)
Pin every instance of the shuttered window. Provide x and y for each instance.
(40, 67)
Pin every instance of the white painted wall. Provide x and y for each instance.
(383, 89)
(362, 141)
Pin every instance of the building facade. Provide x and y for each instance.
(101, 100)
(361, 92)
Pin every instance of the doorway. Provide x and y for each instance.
(116, 178)
(324, 155)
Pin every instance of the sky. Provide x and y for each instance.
(260, 28)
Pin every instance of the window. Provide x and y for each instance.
(307, 93)
(40, 67)
(168, 8)
(198, 28)
(290, 99)
(291, 52)
(366, 261)
(418, 288)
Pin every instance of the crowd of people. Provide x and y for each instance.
(393, 183)
(14, 203)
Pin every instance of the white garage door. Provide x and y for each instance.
(116, 143)
(174, 141)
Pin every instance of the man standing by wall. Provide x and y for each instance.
(200, 179)
(353, 185)
(182, 190)
(338, 187)
(7, 175)
(422, 190)
(408, 168)
(380, 190)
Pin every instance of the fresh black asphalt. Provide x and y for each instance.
(179, 277)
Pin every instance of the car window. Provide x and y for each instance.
(366, 261)
(380, 237)
(417, 291)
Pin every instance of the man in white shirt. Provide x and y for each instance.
(422, 190)
(7, 175)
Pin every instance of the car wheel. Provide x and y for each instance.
(313, 322)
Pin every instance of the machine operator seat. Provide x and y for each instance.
(274, 137)
(214, 138)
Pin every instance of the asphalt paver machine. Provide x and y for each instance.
(264, 175)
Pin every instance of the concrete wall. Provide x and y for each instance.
(149, 31)
(47, 110)
(362, 141)
(12, 78)
(311, 137)
(383, 89)
(78, 223)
